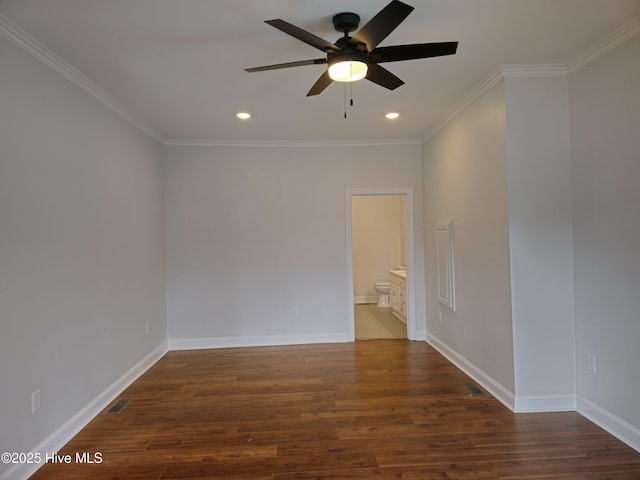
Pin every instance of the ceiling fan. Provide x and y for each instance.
(354, 58)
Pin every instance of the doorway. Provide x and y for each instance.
(363, 303)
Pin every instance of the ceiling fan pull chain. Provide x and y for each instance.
(351, 100)
(351, 85)
(345, 99)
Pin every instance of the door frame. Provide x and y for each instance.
(407, 192)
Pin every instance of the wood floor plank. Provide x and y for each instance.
(232, 477)
(245, 466)
(457, 471)
(306, 423)
(99, 472)
(387, 410)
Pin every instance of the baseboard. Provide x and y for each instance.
(55, 441)
(255, 341)
(486, 381)
(365, 299)
(617, 427)
(399, 317)
(545, 403)
(421, 335)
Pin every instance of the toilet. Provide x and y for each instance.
(383, 293)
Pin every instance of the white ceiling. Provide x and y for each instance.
(179, 65)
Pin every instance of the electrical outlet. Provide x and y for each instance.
(591, 362)
(294, 311)
(35, 401)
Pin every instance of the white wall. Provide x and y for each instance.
(81, 249)
(378, 239)
(605, 142)
(253, 231)
(465, 178)
(540, 241)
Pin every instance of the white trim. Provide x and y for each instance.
(492, 79)
(541, 70)
(495, 388)
(516, 403)
(192, 142)
(617, 427)
(71, 427)
(561, 402)
(606, 44)
(255, 341)
(445, 267)
(32, 46)
(407, 192)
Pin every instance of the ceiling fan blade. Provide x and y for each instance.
(304, 36)
(411, 52)
(383, 77)
(380, 26)
(317, 61)
(323, 82)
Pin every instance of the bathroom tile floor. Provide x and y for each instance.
(373, 322)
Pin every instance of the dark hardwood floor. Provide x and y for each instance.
(377, 409)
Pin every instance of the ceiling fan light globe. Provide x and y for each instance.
(348, 71)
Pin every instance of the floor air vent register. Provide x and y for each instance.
(119, 405)
(473, 389)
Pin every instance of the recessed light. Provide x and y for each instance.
(243, 115)
(392, 115)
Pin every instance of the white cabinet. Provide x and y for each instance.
(398, 293)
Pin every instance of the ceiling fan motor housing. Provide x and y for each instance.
(346, 22)
(346, 56)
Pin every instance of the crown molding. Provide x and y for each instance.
(535, 70)
(22, 39)
(492, 79)
(606, 44)
(25, 41)
(189, 142)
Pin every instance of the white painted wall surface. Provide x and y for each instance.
(540, 223)
(81, 249)
(253, 231)
(378, 237)
(605, 141)
(465, 179)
